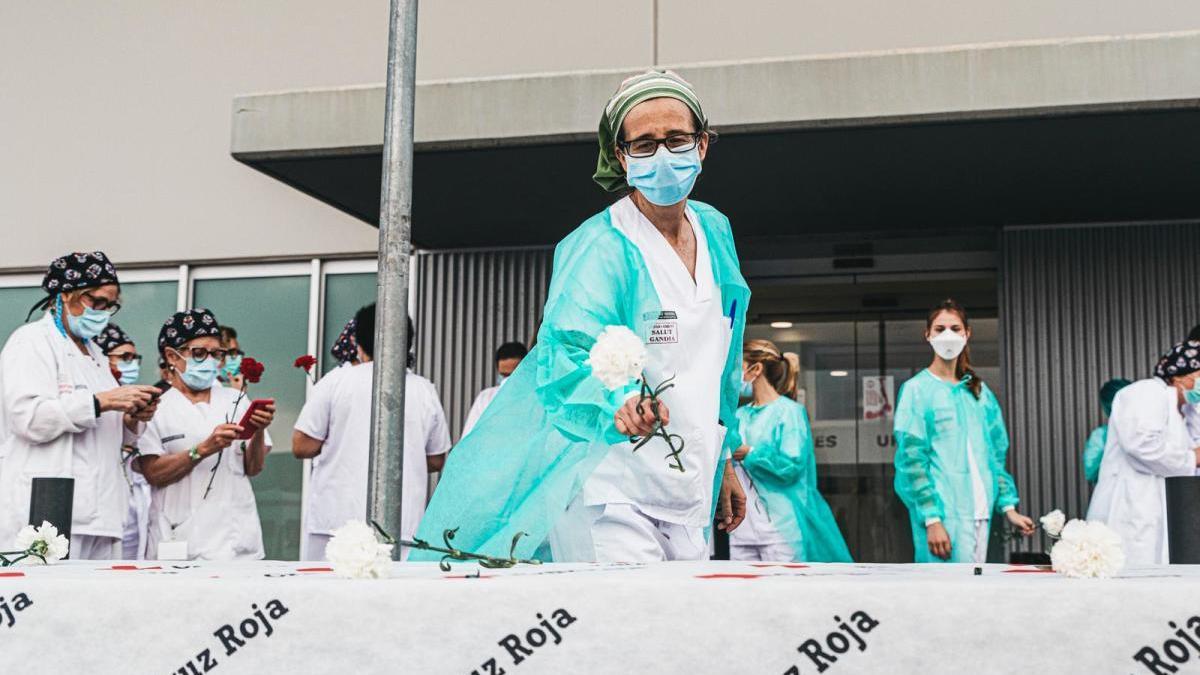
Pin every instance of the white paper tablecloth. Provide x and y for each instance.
(688, 618)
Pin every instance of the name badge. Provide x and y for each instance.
(173, 550)
(665, 330)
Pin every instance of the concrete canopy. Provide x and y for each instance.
(1102, 129)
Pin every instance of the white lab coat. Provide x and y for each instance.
(1148, 440)
(50, 429)
(482, 401)
(339, 413)
(225, 525)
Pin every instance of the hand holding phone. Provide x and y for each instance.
(249, 428)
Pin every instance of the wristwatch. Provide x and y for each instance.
(194, 453)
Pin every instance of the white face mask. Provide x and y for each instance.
(948, 344)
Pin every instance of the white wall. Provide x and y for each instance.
(114, 125)
(115, 116)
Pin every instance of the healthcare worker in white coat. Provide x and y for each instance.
(1148, 441)
(64, 414)
(202, 506)
(125, 363)
(334, 430)
(508, 357)
(952, 450)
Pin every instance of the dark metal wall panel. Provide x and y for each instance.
(467, 304)
(1078, 306)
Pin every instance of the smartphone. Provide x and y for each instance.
(248, 427)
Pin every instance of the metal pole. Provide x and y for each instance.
(395, 244)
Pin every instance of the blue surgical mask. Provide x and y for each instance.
(665, 178)
(129, 371)
(1192, 396)
(89, 324)
(233, 366)
(199, 375)
(747, 388)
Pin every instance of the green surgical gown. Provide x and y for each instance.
(551, 423)
(935, 422)
(783, 466)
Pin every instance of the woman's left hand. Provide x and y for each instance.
(263, 417)
(1023, 523)
(740, 453)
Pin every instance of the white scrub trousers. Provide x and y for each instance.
(87, 547)
(779, 552)
(622, 533)
(981, 540)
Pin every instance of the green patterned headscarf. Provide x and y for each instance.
(648, 85)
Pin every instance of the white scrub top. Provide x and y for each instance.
(979, 492)
(690, 341)
(340, 415)
(757, 528)
(482, 401)
(50, 428)
(1148, 440)
(224, 526)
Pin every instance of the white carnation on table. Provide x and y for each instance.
(1054, 522)
(618, 357)
(44, 545)
(356, 553)
(1087, 549)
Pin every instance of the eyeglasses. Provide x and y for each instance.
(201, 353)
(235, 352)
(128, 357)
(100, 304)
(646, 147)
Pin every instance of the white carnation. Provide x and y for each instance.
(1053, 522)
(356, 553)
(1088, 549)
(44, 541)
(617, 357)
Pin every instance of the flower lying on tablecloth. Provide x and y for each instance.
(1053, 523)
(356, 553)
(1087, 549)
(37, 546)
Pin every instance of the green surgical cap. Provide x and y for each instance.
(648, 85)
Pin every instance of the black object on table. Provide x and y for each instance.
(52, 500)
(1183, 519)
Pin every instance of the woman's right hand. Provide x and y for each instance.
(221, 437)
(939, 540)
(130, 398)
(630, 422)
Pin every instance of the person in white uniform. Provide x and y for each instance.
(508, 357)
(1148, 441)
(125, 362)
(202, 505)
(63, 413)
(334, 430)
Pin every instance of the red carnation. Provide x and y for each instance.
(115, 373)
(252, 370)
(306, 362)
